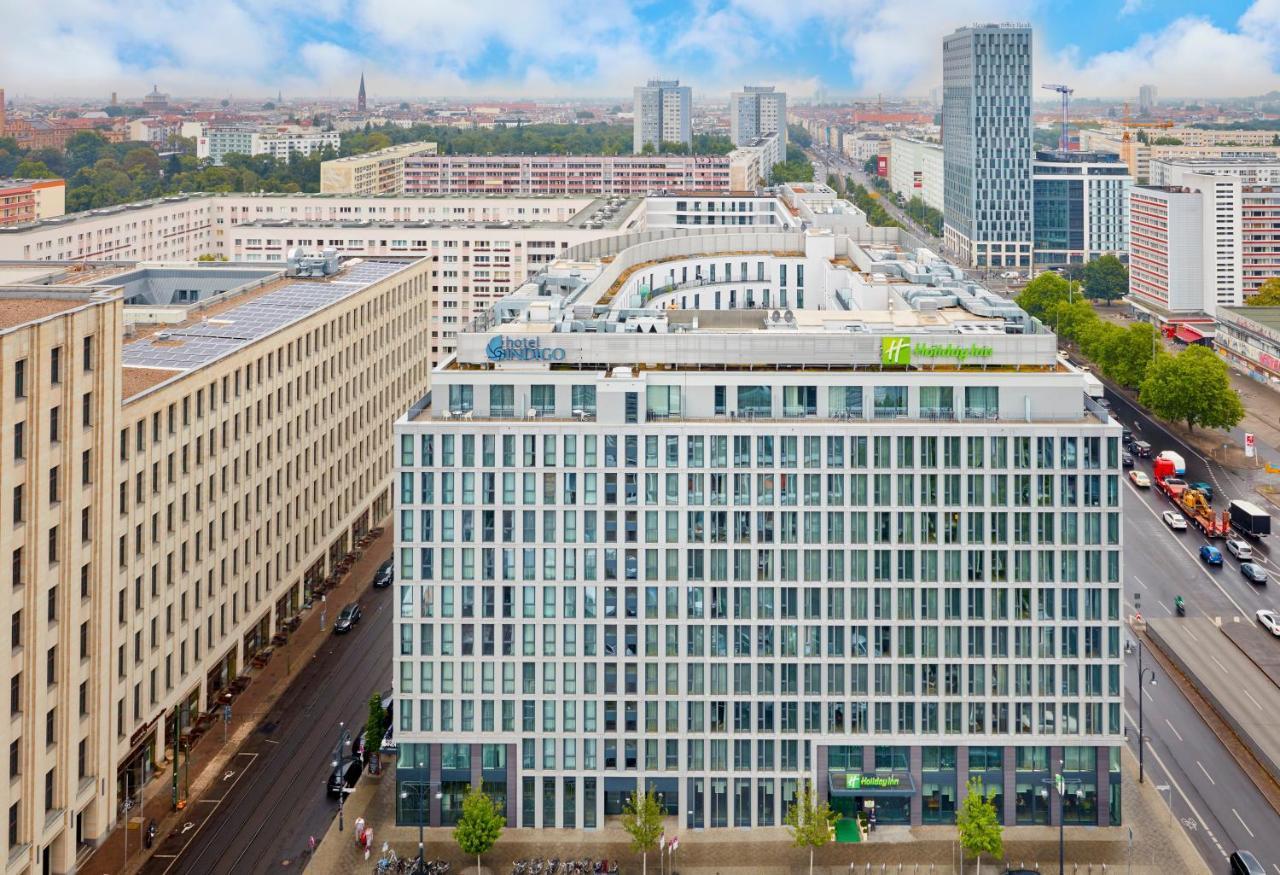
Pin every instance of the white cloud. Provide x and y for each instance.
(580, 47)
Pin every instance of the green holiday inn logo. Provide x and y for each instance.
(899, 351)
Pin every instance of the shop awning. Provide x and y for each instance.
(1189, 334)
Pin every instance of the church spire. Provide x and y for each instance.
(360, 99)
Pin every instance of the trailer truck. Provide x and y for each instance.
(1248, 519)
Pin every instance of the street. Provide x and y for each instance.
(272, 797)
(1214, 799)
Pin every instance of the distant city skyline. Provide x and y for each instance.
(1187, 48)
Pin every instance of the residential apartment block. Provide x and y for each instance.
(720, 513)
(169, 502)
(574, 175)
(756, 112)
(1166, 245)
(986, 143)
(373, 173)
(1081, 206)
(215, 141)
(29, 200)
(663, 114)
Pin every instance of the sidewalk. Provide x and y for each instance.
(210, 754)
(1160, 846)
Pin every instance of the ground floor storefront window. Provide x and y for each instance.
(1031, 785)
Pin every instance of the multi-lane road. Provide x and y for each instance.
(1216, 802)
(272, 797)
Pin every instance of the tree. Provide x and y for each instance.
(376, 727)
(479, 826)
(1192, 387)
(642, 816)
(1106, 278)
(32, 170)
(978, 825)
(791, 171)
(798, 135)
(1267, 295)
(1041, 296)
(810, 820)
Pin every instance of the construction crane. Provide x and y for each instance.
(1066, 102)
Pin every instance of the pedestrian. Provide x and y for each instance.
(311, 845)
(368, 842)
(360, 831)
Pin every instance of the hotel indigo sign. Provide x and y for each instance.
(522, 349)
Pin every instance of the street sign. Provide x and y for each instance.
(1249, 447)
(226, 713)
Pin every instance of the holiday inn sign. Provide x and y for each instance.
(901, 350)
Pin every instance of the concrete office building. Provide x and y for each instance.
(373, 173)
(1146, 99)
(756, 112)
(717, 514)
(169, 501)
(1081, 207)
(915, 170)
(663, 114)
(986, 144)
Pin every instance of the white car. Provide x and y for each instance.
(1239, 549)
(1010, 275)
(1174, 521)
(1270, 621)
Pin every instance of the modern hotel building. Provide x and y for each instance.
(721, 513)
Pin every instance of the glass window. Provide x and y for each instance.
(936, 402)
(844, 402)
(584, 400)
(542, 398)
(461, 398)
(502, 400)
(755, 401)
(981, 402)
(662, 402)
(799, 400)
(890, 401)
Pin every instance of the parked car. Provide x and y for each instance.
(1253, 573)
(1126, 459)
(1239, 549)
(384, 576)
(1174, 520)
(1211, 555)
(1245, 863)
(1139, 479)
(1205, 488)
(1270, 621)
(348, 617)
(1126, 436)
(388, 741)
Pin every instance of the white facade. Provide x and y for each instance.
(663, 114)
(283, 144)
(986, 141)
(915, 170)
(653, 566)
(213, 142)
(217, 141)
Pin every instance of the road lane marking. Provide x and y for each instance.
(1220, 665)
(1206, 773)
(1242, 823)
(1148, 695)
(1197, 563)
(1175, 732)
(1174, 781)
(200, 826)
(1252, 699)
(1138, 580)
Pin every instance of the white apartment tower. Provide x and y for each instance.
(986, 143)
(757, 111)
(717, 514)
(663, 114)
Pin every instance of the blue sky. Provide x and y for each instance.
(545, 48)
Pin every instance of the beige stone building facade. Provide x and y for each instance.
(168, 502)
(380, 172)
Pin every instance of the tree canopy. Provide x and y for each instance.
(870, 204)
(1192, 387)
(810, 820)
(793, 171)
(1106, 278)
(1267, 295)
(642, 816)
(1041, 296)
(480, 824)
(978, 825)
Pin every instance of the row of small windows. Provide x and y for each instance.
(786, 451)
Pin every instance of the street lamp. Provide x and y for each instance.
(339, 756)
(420, 794)
(1059, 783)
(1142, 675)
